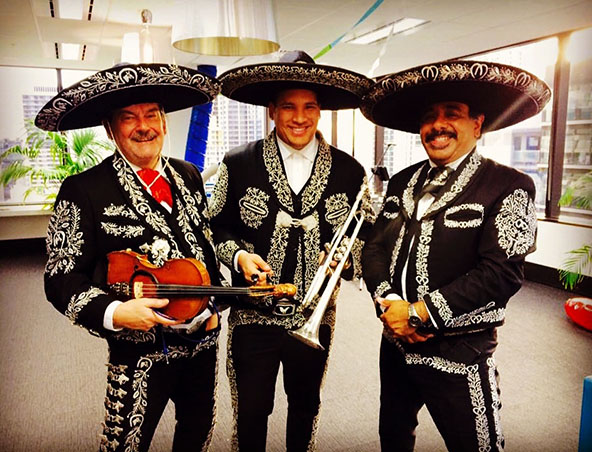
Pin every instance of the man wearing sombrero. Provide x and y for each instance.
(135, 200)
(275, 204)
(447, 250)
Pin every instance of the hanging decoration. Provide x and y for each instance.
(328, 47)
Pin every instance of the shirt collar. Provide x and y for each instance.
(308, 152)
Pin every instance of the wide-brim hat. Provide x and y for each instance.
(504, 94)
(259, 84)
(88, 102)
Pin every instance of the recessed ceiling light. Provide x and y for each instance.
(70, 51)
(70, 9)
(399, 26)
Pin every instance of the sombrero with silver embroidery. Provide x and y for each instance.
(88, 102)
(259, 84)
(505, 94)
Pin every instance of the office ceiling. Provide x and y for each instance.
(456, 28)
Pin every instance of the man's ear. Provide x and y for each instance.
(271, 110)
(107, 127)
(478, 125)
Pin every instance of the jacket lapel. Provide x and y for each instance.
(462, 178)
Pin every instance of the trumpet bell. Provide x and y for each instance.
(308, 334)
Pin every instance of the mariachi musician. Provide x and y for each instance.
(276, 202)
(447, 250)
(139, 200)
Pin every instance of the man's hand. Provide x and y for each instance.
(139, 314)
(254, 268)
(396, 318)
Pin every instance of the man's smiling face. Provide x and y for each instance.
(448, 131)
(139, 132)
(296, 114)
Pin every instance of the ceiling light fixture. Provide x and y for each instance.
(225, 27)
(70, 51)
(400, 26)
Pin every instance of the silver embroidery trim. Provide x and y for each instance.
(190, 211)
(396, 250)
(349, 81)
(408, 201)
(336, 209)
(64, 238)
(496, 403)
(381, 289)
(278, 180)
(218, 199)
(475, 317)
(459, 184)
(516, 224)
(391, 215)
(119, 211)
(253, 207)
(422, 276)
(139, 384)
(225, 252)
(155, 219)
(474, 386)
(459, 70)
(126, 231)
(78, 302)
(476, 222)
(119, 79)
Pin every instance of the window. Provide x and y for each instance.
(24, 92)
(525, 146)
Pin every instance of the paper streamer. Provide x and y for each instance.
(328, 47)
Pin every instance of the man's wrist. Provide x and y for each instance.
(422, 311)
(415, 321)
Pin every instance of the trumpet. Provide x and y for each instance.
(339, 250)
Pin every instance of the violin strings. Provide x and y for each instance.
(180, 289)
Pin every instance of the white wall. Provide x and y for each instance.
(555, 240)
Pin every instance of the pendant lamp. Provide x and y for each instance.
(225, 27)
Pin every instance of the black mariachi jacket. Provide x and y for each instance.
(106, 209)
(253, 207)
(468, 256)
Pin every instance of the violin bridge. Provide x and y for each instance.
(138, 289)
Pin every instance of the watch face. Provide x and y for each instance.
(415, 322)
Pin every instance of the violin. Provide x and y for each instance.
(184, 281)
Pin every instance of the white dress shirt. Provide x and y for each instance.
(298, 162)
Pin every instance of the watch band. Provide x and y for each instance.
(414, 318)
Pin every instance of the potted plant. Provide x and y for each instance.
(578, 194)
(71, 153)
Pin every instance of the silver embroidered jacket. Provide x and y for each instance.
(254, 209)
(106, 209)
(468, 254)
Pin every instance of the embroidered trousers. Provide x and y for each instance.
(462, 398)
(138, 390)
(257, 351)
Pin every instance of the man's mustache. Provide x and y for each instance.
(144, 136)
(436, 133)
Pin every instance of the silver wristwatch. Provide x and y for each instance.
(414, 318)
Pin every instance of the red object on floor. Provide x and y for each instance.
(579, 309)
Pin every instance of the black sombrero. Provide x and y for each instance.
(505, 94)
(259, 84)
(88, 102)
